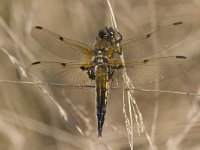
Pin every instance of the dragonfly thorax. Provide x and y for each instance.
(100, 57)
(100, 62)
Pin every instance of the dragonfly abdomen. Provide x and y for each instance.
(101, 108)
(101, 96)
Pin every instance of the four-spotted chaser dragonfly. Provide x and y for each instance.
(95, 66)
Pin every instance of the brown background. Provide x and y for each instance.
(29, 119)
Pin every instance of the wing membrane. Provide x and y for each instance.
(152, 70)
(60, 46)
(64, 72)
(154, 42)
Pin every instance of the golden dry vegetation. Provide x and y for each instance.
(30, 115)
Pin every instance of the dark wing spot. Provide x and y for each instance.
(119, 66)
(35, 63)
(63, 64)
(146, 60)
(177, 23)
(182, 57)
(148, 35)
(61, 38)
(83, 68)
(39, 27)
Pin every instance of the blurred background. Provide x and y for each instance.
(54, 118)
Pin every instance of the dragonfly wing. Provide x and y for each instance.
(69, 73)
(155, 42)
(60, 46)
(153, 70)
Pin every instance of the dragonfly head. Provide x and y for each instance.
(110, 34)
(106, 33)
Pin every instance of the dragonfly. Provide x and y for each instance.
(95, 66)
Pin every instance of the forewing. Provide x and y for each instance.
(154, 42)
(69, 73)
(60, 46)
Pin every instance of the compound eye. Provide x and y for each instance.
(106, 33)
(101, 34)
